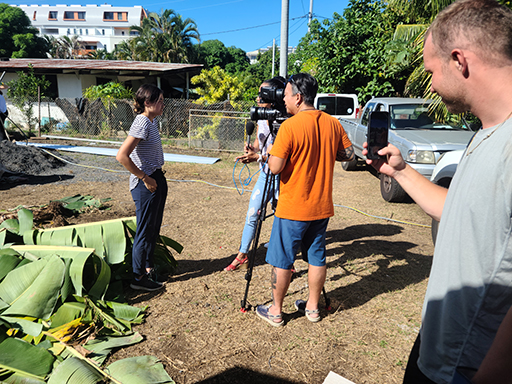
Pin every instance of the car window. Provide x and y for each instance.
(336, 105)
(415, 116)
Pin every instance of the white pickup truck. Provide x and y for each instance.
(420, 139)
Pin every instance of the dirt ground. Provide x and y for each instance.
(376, 278)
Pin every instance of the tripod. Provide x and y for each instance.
(270, 181)
(268, 190)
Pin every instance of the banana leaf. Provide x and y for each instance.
(26, 220)
(75, 371)
(20, 379)
(26, 326)
(67, 313)
(108, 238)
(98, 280)
(139, 370)
(18, 356)
(33, 289)
(9, 259)
(101, 347)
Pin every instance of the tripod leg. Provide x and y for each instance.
(252, 254)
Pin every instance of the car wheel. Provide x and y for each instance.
(390, 189)
(350, 165)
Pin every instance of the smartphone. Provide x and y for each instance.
(377, 134)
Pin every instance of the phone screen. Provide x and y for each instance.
(377, 134)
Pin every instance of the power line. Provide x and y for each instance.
(256, 26)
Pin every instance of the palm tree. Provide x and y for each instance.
(164, 37)
(65, 47)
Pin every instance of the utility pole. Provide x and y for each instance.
(310, 14)
(283, 57)
(273, 56)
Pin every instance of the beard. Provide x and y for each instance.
(455, 103)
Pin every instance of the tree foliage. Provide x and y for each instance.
(213, 53)
(111, 90)
(18, 39)
(348, 54)
(23, 92)
(65, 47)
(164, 38)
(217, 85)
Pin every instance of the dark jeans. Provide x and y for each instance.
(149, 209)
(413, 375)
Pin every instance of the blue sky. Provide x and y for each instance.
(246, 24)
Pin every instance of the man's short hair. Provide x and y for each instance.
(306, 85)
(481, 25)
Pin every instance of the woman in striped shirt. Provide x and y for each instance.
(142, 155)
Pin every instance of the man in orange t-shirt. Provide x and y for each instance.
(304, 152)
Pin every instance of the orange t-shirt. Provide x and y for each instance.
(309, 142)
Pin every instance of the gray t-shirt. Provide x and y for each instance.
(148, 155)
(470, 286)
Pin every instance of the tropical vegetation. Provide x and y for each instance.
(18, 39)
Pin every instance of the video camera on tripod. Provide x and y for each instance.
(276, 114)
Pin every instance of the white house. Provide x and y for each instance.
(98, 26)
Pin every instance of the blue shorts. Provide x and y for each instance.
(288, 235)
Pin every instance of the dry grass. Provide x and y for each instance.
(376, 279)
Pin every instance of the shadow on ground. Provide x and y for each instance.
(12, 181)
(242, 375)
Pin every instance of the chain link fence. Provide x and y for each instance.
(219, 126)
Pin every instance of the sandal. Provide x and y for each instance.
(263, 312)
(240, 262)
(300, 305)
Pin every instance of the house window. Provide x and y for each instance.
(119, 15)
(74, 31)
(52, 15)
(70, 15)
(115, 16)
(103, 32)
(69, 31)
(86, 31)
(34, 17)
(122, 33)
(80, 30)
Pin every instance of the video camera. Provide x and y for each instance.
(275, 97)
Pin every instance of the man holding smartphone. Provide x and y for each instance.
(466, 318)
(304, 152)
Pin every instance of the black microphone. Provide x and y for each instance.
(249, 128)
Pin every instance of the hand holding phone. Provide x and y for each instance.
(377, 134)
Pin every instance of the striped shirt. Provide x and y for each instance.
(148, 155)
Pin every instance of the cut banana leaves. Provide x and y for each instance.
(108, 237)
(67, 313)
(26, 326)
(79, 257)
(75, 371)
(171, 243)
(20, 379)
(9, 259)
(26, 220)
(101, 347)
(18, 356)
(33, 289)
(139, 370)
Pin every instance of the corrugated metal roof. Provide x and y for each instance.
(101, 65)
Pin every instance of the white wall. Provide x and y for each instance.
(69, 85)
